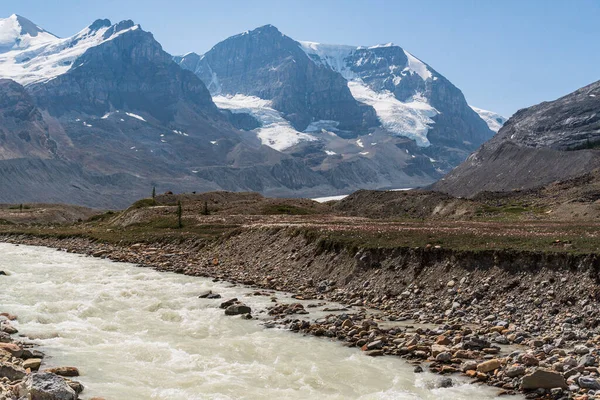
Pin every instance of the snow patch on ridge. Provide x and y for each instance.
(44, 57)
(492, 119)
(418, 66)
(410, 119)
(132, 115)
(330, 55)
(275, 132)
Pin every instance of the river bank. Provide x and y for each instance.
(20, 373)
(529, 328)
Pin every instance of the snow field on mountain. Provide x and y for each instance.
(48, 56)
(494, 120)
(410, 119)
(275, 131)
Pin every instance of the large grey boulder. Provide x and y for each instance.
(12, 372)
(46, 386)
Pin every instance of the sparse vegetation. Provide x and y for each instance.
(491, 224)
(144, 203)
(286, 209)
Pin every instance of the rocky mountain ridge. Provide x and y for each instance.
(409, 98)
(551, 141)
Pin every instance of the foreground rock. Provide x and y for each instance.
(46, 386)
(238, 309)
(544, 379)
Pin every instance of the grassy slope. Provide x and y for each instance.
(497, 228)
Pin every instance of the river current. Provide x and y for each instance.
(136, 333)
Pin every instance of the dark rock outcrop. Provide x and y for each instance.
(549, 142)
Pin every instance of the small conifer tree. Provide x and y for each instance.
(179, 214)
(205, 210)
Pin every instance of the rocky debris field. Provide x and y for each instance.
(21, 372)
(519, 321)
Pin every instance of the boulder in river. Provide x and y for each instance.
(14, 349)
(46, 386)
(228, 303)
(488, 366)
(237, 309)
(32, 363)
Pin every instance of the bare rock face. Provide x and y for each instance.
(46, 386)
(153, 82)
(23, 132)
(569, 123)
(267, 64)
(548, 142)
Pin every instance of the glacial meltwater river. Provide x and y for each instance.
(136, 333)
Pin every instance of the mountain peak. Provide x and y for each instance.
(26, 26)
(265, 29)
(99, 24)
(17, 32)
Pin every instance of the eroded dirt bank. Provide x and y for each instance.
(521, 321)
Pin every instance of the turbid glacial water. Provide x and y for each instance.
(136, 333)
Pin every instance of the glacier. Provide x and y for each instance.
(275, 131)
(411, 119)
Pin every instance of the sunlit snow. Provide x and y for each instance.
(276, 131)
(410, 119)
(45, 56)
(19, 33)
(492, 119)
(418, 66)
(322, 126)
(132, 115)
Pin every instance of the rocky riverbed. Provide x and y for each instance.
(519, 328)
(21, 376)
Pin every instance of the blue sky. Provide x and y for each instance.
(504, 55)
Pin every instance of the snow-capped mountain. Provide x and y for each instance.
(494, 120)
(38, 56)
(99, 117)
(394, 91)
(374, 74)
